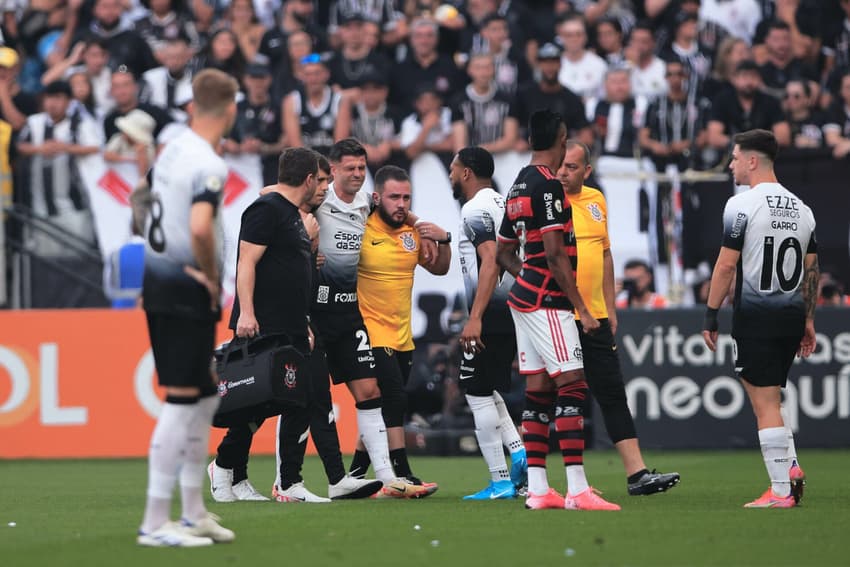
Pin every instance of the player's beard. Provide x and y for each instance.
(747, 93)
(550, 81)
(388, 218)
(457, 193)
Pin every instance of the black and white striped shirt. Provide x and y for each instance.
(377, 127)
(381, 12)
(484, 115)
(317, 122)
(163, 90)
(51, 178)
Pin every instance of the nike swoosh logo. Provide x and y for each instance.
(499, 495)
(376, 242)
(462, 377)
(371, 365)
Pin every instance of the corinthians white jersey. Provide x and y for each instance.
(481, 218)
(774, 230)
(341, 227)
(187, 171)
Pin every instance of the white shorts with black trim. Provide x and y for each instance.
(547, 340)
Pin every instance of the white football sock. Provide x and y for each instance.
(487, 427)
(197, 451)
(774, 449)
(576, 480)
(373, 432)
(277, 452)
(510, 436)
(789, 434)
(538, 483)
(165, 456)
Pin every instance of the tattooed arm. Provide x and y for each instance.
(811, 276)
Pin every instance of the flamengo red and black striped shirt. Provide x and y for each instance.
(537, 204)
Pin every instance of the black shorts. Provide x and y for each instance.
(765, 361)
(317, 370)
(489, 369)
(346, 342)
(183, 351)
(601, 362)
(393, 369)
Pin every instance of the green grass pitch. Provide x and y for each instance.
(86, 513)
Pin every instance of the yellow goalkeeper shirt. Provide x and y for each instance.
(590, 223)
(388, 258)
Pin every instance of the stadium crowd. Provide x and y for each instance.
(672, 80)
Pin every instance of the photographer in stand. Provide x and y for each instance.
(638, 288)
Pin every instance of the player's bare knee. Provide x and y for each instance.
(365, 389)
(568, 377)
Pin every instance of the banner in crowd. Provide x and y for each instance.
(683, 396)
(109, 185)
(81, 383)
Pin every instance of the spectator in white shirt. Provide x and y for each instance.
(582, 71)
(738, 17)
(647, 69)
(429, 128)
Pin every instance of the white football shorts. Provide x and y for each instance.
(547, 339)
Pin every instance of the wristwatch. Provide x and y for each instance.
(447, 240)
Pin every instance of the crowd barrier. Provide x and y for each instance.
(81, 383)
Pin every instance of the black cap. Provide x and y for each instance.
(58, 88)
(747, 65)
(373, 76)
(257, 70)
(549, 51)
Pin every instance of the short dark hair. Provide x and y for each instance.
(636, 263)
(569, 17)
(761, 141)
(490, 18)
(56, 88)
(776, 24)
(747, 66)
(573, 143)
(613, 22)
(324, 164)
(387, 173)
(346, 147)
(645, 25)
(478, 160)
(295, 165)
(543, 129)
(93, 39)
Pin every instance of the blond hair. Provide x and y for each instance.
(213, 91)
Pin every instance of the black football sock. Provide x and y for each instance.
(359, 464)
(637, 476)
(398, 457)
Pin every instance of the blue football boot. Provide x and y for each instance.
(496, 490)
(519, 469)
